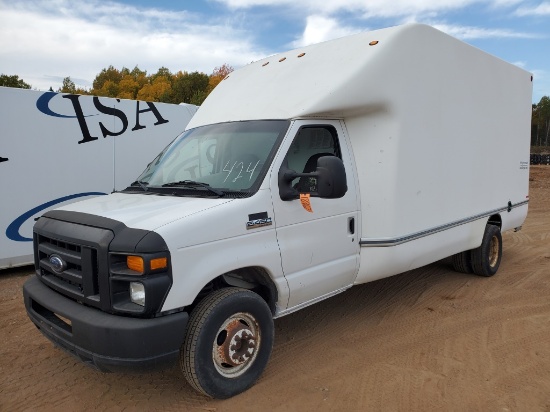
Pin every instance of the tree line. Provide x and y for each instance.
(184, 87)
(162, 86)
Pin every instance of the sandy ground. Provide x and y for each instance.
(429, 339)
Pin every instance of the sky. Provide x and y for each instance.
(44, 41)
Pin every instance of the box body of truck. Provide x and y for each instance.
(301, 175)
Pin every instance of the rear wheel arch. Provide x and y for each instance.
(495, 220)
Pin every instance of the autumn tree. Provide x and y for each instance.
(155, 90)
(131, 83)
(162, 86)
(165, 78)
(13, 81)
(107, 82)
(218, 75)
(128, 87)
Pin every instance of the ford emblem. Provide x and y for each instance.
(58, 264)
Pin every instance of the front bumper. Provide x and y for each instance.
(107, 342)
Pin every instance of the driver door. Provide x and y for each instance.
(319, 244)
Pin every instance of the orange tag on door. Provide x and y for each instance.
(304, 199)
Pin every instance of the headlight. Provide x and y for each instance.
(137, 293)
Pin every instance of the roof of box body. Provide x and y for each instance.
(336, 78)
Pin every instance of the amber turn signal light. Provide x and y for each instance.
(135, 263)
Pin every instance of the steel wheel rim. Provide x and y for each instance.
(236, 345)
(494, 247)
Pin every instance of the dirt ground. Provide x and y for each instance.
(430, 339)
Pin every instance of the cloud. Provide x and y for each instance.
(520, 64)
(60, 38)
(325, 17)
(44, 41)
(470, 32)
(368, 9)
(542, 9)
(320, 28)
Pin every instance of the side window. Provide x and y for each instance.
(311, 143)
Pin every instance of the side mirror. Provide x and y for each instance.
(330, 175)
(331, 178)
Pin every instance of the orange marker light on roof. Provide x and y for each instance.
(373, 43)
(301, 55)
(265, 64)
(282, 59)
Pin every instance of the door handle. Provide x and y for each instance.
(351, 225)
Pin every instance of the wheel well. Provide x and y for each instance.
(495, 220)
(255, 279)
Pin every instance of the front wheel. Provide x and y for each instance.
(486, 258)
(228, 343)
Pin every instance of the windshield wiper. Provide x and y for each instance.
(191, 183)
(141, 184)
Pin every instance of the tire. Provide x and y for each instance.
(486, 258)
(462, 262)
(213, 358)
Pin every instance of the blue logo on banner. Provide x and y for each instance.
(12, 232)
(43, 104)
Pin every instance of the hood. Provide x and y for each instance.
(140, 211)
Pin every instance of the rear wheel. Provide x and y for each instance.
(486, 258)
(462, 262)
(228, 343)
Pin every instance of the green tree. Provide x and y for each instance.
(110, 74)
(13, 81)
(162, 72)
(540, 122)
(68, 86)
(190, 88)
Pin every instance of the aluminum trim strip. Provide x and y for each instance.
(367, 242)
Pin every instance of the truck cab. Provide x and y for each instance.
(133, 265)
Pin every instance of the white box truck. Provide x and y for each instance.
(301, 175)
(58, 148)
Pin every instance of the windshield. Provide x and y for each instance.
(228, 157)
